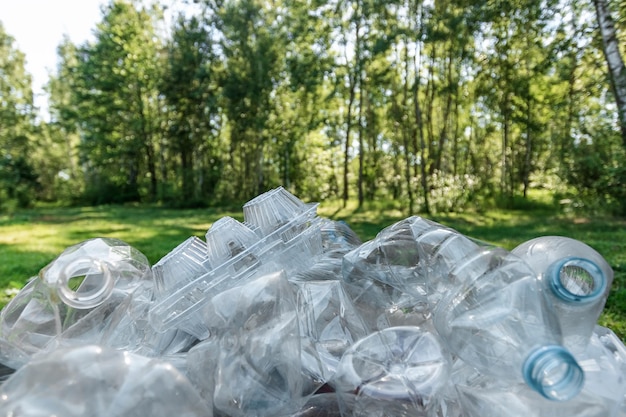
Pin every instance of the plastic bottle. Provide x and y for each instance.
(96, 291)
(251, 365)
(500, 321)
(329, 322)
(399, 276)
(578, 278)
(96, 381)
(483, 395)
(399, 371)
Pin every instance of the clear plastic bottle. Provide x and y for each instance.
(399, 371)
(578, 278)
(483, 395)
(96, 291)
(251, 365)
(95, 381)
(501, 322)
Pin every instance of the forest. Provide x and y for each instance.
(440, 105)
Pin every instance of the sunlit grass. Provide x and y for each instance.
(31, 239)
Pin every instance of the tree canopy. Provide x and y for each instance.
(438, 105)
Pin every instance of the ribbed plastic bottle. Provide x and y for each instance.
(500, 321)
(578, 279)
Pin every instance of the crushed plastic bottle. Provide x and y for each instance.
(578, 279)
(482, 395)
(500, 322)
(399, 371)
(400, 276)
(329, 322)
(251, 364)
(100, 382)
(97, 291)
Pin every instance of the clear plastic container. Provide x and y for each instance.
(483, 395)
(96, 381)
(500, 321)
(282, 233)
(578, 278)
(182, 265)
(96, 291)
(251, 364)
(329, 322)
(399, 371)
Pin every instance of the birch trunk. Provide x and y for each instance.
(617, 70)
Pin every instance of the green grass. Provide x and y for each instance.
(30, 239)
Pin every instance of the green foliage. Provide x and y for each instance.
(441, 106)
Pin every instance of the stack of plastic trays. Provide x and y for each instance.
(234, 250)
(290, 228)
(280, 232)
(182, 265)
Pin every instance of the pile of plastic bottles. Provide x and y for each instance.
(291, 314)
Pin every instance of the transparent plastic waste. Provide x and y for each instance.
(251, 364)
(578, 278)
(95, 381)
(338, 237)
(481, 395)
(97, 291)
(500, 321)
(182, 265)
(320, 405)
(399, 371)
(280, 233)
(329, 322)
(400, 276)
(616, 347)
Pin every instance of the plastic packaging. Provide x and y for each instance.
(280, 233)
(94, 292)
(578, 278)
(601, 396)
(182, 265)
(95, 381)
(399, 371)
(400, 276)
(500, 322)
(251, 364)
(329, 322)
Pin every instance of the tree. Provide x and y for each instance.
(17, 120)
(189, 87)
(614, 60)
(114, 90)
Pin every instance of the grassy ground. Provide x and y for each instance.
(31, 239)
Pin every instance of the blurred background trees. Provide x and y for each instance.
(437, 105)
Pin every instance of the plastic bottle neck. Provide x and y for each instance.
(553, 372)
(576, 280)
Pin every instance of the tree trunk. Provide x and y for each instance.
(617, 70)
